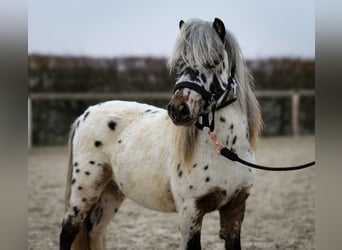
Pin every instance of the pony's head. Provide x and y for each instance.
(203, 57)
(206, 58)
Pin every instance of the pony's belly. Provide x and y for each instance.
(148, 190)
(141, 162)
(141, 173)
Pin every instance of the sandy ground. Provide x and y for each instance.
(280, 210)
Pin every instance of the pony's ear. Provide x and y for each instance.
(219, 27)
(181, 22)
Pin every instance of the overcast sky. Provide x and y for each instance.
(264, 28)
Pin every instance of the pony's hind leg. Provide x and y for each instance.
(231, 217)
(101, 214)
(89, 180)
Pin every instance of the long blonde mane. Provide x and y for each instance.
(199, 46)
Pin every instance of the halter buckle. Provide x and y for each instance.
(233, 85)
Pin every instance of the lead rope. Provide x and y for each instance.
(224, 151)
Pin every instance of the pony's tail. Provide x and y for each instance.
(69, 173)
(82, 240)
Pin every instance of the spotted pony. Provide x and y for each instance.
(159, 158)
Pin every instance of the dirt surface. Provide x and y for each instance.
(280, 210)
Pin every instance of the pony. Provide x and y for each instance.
(160, 158)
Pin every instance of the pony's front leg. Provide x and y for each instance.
(231, 217)
(190, 224)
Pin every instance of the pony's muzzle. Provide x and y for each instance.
(179, 113)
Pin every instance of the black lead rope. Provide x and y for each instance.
(224, 151)
(234, 157)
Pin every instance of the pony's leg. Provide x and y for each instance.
(191, 216)
(88, 182)
(190, 224)
(231, 217)
(101, 214)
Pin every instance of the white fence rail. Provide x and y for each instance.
(295, 96)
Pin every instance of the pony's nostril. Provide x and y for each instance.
(183, 109)
(171, 111)
(179, 113)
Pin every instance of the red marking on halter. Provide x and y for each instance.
(217, 145)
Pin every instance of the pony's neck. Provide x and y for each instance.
(186, 138)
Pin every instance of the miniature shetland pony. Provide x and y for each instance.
(159, 158)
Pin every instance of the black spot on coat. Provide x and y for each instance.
(222, 119)
(112, 125)
(97, 143)
(85, 115)
(192, 73)
(204, 78)
(234, 140)
(76, 210)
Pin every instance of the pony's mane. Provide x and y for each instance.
(198, 46)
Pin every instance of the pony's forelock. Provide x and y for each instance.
(198, 46)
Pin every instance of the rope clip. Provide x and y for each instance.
(218, 146)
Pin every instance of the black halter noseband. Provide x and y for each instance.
(212, 99)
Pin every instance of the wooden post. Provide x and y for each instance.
(29, 125)
(295, 114)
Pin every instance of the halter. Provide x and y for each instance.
(212, 99)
